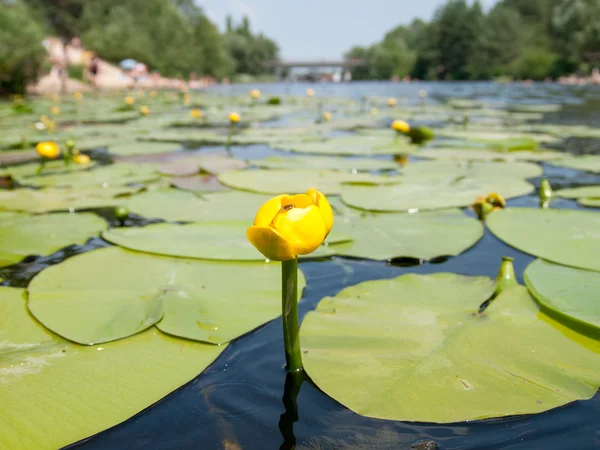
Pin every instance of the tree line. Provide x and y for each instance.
(174, 37)
(523, 39)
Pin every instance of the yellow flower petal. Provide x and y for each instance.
(268, 211)
(303, 228)
(324, 207)
(270, 243)
(48, 149)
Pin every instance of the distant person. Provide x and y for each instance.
(94, 69)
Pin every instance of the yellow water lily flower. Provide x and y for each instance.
(196, 113)
(401, 126)
(486, 204)
(153, 94)
(234, 117)
(310, 92)
(290, 225)
(326, 116)
(129, 100)
(55, 110)
(48, 149)
(374, 111)
(144, 110)
(77, 95)
(392, 102)
(255, 94)
(81, 159)
(422, 93)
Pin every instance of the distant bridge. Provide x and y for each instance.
(344, 64)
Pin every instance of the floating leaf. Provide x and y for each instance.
(589, 163)
(579, 192)
(566, 293)
(211, 240)
(425, 235)
(488, 155)
(44, 235)
(176, 205)
(591, 202)
(198, 183)
(472, 169)
(568, 237)
(416, 194)
(141, 148)
(325, 162)
(55, 199)
(353, 145)
(293, 181)
(48, 381)
(415, 348)
(111, 293)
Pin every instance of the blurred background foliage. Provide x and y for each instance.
(525, 39)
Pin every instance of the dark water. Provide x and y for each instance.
(237, 402)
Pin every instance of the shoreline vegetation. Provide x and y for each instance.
(179, 46)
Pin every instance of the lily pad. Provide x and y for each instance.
(415, 348)
(210, 240)
(141, 148)
(329, 182)
(488, 155)
(119, 174)
(56, 199)
(325, 162)
(47, 380)
(563, 236)
(589, 163)
(111, 293)
(176, 205)
(567, 293)
(590, 202)
(46, 234)
(353, 145)
(424, 236)
(473, 169)
(579, 192)
(198, 183)
(431, 193)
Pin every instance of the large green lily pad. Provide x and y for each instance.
(224, 240)
(589, 163)
(567, 293)
(415, 348)
(55, 392)
(473, 169)
(176, 205)
(141, 148)
(591, 202)
(325, 163)
(119, 174)
(329, 182)
(56, 199)
(579, 192)
(488, 155)
(424, 236)
(568, 237)
(45, 234)
(112, 293)
(416, 194)
(353, 145)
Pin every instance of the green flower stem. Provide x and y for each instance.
(289, 312)
(229, 136)
(42, 165)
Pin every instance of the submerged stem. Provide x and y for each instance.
(289, 312)
(228, 142)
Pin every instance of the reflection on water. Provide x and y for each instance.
(237, 402)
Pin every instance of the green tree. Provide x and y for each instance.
(21, 51)
(250, 51)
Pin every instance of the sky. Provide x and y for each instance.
(322, 29)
